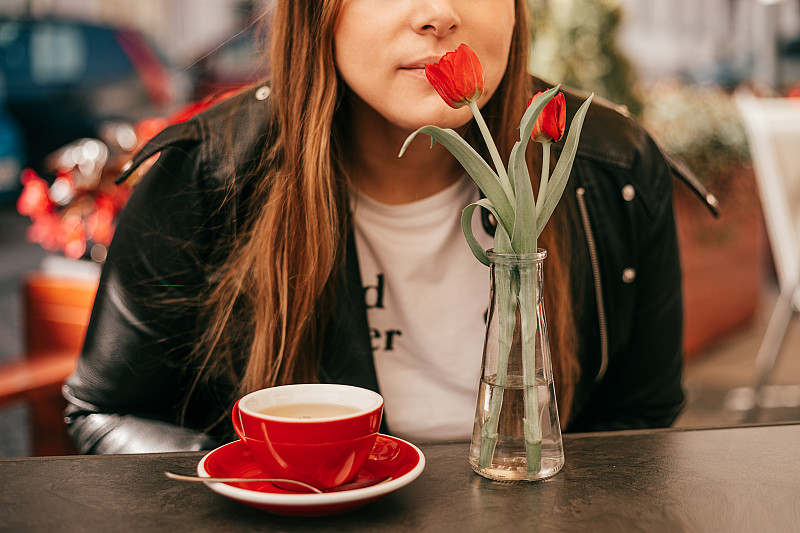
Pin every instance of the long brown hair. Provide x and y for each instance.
(277, 288)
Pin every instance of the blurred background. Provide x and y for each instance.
(84, 83)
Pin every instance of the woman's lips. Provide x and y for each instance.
(420, 63)
(418, 72)
(417, 67)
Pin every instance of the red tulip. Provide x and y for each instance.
(549, 126)
(457, 77)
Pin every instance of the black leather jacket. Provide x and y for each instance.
(127, 393)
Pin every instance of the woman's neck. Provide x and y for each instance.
(373, 165)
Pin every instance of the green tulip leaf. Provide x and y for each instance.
(466, 227)
(480, 171)
(523, 236)
(502, 242)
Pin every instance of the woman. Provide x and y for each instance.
(279, 239)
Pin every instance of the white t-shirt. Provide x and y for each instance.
(427, 297)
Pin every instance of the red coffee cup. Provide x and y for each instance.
(320, 434)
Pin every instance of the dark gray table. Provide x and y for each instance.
(737, 479)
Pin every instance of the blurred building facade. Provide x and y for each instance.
(711, 40)
(182, 29)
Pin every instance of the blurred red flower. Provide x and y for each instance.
(79, 208)
(44, 230)
(34, 198)
(72, 236)
(100, 223)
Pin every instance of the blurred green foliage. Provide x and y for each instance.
(700, 124)
(575, 44)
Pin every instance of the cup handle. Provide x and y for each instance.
(237, 420)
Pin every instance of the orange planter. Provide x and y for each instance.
(56, 315)
(722, 260)
(57, 311)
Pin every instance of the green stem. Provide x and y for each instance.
(505, 301)
(528, 298)
(498, 162)
(544, 181)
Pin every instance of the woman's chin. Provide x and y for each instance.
(447, 118)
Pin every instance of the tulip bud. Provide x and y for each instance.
(550, 124)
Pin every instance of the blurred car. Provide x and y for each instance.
(12, 156)
(65, 78)
(235, 62)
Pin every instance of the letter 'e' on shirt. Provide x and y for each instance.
(427, 298)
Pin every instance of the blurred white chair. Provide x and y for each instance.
(773, 131)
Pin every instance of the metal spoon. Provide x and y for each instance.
(299, 484)
(278, 482)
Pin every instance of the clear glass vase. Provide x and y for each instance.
(516, 435)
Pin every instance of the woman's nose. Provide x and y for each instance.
(435, 17)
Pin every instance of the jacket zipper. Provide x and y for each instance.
(601, 313)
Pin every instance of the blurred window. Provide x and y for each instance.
(13, 52)
(108, 60)
(238, 58)
(58, 54)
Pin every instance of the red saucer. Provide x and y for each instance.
(390, 456)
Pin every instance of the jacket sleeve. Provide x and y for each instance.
(127, 391)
